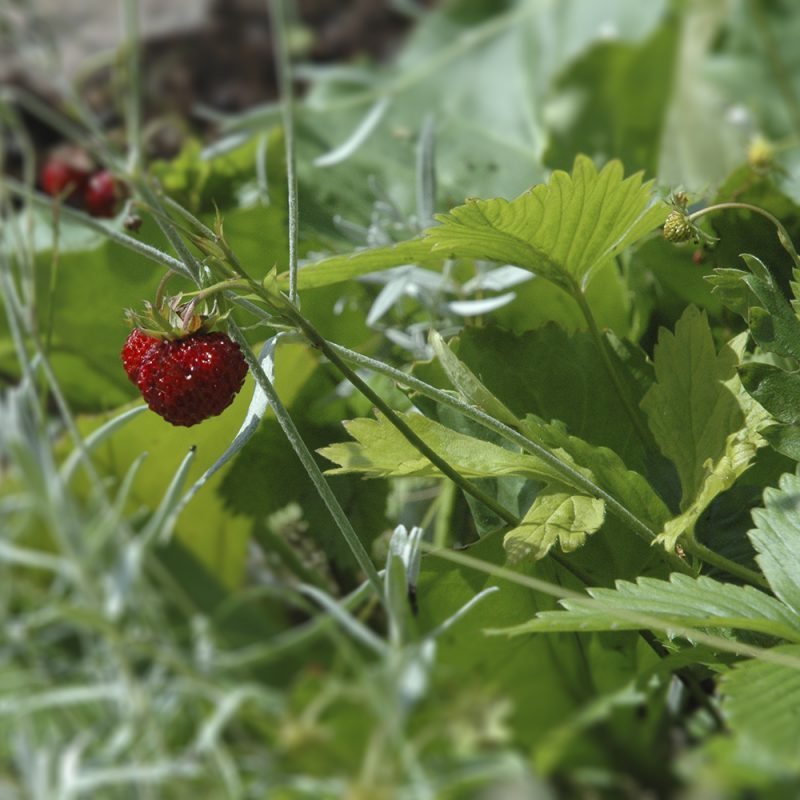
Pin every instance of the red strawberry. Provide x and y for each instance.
(185, 380)
(135, 349)
(59, 176)
(100, 195)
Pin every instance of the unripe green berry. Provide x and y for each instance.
(677, 228)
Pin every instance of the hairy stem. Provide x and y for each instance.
(309, 464)
(783, 234)
(698, 550)
(283, 66)
(318, 341)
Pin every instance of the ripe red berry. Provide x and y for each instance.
(185, 380)
(100, 195)
(136, 347)
(58, 177)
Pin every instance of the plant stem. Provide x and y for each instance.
(147, 251)
(691, 545)
(283, 65)
(134, 87)
(613, 374)
(571, 476)
(318, 341)
(309, 464)
(783, 234)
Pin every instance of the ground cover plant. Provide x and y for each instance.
(431, 432)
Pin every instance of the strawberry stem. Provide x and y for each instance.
(783, 234)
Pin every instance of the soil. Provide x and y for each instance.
(199, 58)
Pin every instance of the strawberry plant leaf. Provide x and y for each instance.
(756, 296)
(554, 517)
(606, 467)
(776, 539)
(690, 410)
(556, 375)
(761, 702)
(720, 474)
(380, 450)
(774, 388)
(336, 269)
(468, 384)
(563, 230)
(493, 62)
(681, 601)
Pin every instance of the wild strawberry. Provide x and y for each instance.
(100, 194)
(135, 349)
(677, 227)
(60, 177)
(185, 380)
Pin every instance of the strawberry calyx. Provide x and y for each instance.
(174, 319)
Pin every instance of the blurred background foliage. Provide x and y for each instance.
(141, 662)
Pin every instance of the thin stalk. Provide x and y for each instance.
(51, 291)
(570, 475)
(783, 234)
(613, 374)
(147, 251)
(695, 548)
(318, 341)
(310, 465)
(443, 523)
(190, 264)
(283, 66)
(133, 95)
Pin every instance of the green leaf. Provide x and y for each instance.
(776, 538)
(757, 297)
(682, 601)
(380, 450)
(739, 453)
(784, 438)
(554, 517)
(346, 267)
(606, 468)
(556, 375)
(484, 69)
(604, 108)
(690, 410)
(761, 702)
(468, 384)
(774, 388)
(562, 230)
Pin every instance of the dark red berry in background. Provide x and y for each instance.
(59, 177)
(186, 380)
(100, 195)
